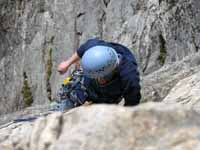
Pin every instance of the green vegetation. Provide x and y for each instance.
(52, 39)
(26, 92)
(49, 66)
(163, 51)
(47, 58)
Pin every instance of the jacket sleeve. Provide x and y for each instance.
(130, 83)
(132, 95)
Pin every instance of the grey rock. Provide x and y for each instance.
(159, 32)
(152, 126)
(186, 92)
(163, 34)
(156, 86)
(34, 111)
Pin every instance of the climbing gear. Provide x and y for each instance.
(99, 61)
(66, 80)
(67, 97)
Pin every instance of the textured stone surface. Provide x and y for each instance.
(186, 92)
(158, 31)
(37, 110)
(156, 86)
(161, 33)
(148, 127)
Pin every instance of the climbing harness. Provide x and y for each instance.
(66, 98)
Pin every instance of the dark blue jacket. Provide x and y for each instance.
(125, 84)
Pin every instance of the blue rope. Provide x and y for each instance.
(24, 119)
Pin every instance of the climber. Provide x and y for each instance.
(110, 73)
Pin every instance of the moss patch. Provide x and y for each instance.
(52, 39)
(26, 92)
(49, 66)
(163, 51)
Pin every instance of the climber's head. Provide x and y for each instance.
(99, 62)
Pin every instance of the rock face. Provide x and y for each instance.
(186, 92)
(29, 112)
(159, 84)
(148, 127)
(36, 35)
(159, 31)
(163, 34)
